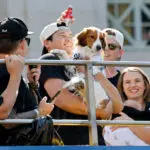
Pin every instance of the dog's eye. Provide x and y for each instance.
(92, 37)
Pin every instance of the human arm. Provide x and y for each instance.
(143, 132)
(112, 92)
(33, 73)
(52, 79)
(65, 100)
(14, 66)
(43, 110)
(72, 103)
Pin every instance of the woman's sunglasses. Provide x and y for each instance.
(112, 46)
(28, 40)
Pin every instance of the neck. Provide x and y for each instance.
(110, 71)
(142, 103)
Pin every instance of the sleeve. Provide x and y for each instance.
(48, 71)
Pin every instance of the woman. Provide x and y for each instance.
(134, 87)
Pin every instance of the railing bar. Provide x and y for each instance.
(78, 122)
(85, 62)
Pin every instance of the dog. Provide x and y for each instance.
(88, 43)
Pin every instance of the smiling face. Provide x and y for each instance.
(133, 85)
(62, 39)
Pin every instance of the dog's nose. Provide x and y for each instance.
(98, 47)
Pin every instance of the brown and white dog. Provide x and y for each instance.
(88, 43)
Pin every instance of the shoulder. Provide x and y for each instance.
(49, 56)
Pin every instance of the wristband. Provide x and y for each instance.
(96, 71)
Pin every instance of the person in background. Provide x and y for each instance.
(134, 87)
(14, 43)
(14, 66)
(56, 39)
(113, 52)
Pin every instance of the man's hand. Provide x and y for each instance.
(62, 17)
(14, 64)
(44, 107)
(33, 74)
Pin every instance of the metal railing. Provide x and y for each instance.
(91, 122)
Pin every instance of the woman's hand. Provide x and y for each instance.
(122, 117)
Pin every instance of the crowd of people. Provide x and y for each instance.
(128, 90)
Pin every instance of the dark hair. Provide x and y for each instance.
(50, 38)
(45, 51)
(7, 46)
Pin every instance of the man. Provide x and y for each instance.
(14, 42)
(56, 39)
(113, 52)
(14, 66)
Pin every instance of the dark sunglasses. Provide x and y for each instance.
(112, 46)
(28, 40)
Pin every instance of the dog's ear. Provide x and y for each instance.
(81, 37)
(102, 39)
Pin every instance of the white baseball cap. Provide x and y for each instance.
(117, 34)
(50, 29)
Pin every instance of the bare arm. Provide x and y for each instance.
(70, 102)
(65, 100)
(112, 92)
(43, 110)
(143, 132)
(14, 66)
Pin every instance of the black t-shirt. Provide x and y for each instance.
(25, 101)
(71, 135)
(114, 79)
(137, 114)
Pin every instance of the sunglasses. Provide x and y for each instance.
(112, 46)
(28, 40)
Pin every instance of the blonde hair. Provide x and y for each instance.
(146, 95)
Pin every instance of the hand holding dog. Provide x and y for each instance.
(81, 68)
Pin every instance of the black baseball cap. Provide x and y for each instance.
(13, 28)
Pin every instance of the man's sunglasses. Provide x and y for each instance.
(112, 46)
(28, 40)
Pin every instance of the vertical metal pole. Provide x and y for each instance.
(137, 21)
(93, 137)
